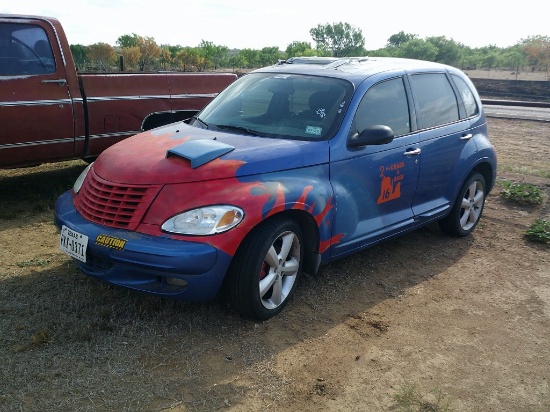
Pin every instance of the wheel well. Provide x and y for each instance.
(487, 172)
(158, 119)
(310, 233)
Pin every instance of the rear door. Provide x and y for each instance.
(444, 113)
(36, 110)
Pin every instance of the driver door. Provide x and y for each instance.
(36, 111)
(375, 186)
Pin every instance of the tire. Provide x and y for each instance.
(467, 209)
(264, 272)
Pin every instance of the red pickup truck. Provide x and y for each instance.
(50, 112)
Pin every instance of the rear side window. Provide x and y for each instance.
(24, 50)
(436, 99)
(384, 104)
(467, 96)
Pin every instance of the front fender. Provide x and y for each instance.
(260, 197)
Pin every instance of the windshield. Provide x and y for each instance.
(286, 106)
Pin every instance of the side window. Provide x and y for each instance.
(24, 50)
(467, 96)
(436, 99)
(384, 104)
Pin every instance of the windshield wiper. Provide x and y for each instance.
(238, 129)
(202, 122)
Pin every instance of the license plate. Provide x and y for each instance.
(73, 243)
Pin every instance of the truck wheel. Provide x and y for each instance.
(264, 272)
(467, 209)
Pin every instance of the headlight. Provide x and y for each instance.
(205, 220)
(78, 184)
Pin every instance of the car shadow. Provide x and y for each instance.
(192, 353)
(30, 193)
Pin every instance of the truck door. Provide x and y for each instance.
(36, 112)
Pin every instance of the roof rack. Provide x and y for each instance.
(308, 60)
(329, 62)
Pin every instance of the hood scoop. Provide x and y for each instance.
(200, 152)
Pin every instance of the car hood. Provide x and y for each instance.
(179, 153)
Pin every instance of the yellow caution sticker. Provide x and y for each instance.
(110, 242)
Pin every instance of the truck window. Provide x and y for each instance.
(24, 50)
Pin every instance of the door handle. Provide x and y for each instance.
(413, 152)
(467, 136)
(60, 82)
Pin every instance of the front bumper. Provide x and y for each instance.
(153, 264)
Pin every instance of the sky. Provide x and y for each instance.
(255, 24)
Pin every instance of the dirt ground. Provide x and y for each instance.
(463, 322)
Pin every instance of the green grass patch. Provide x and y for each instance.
(539, 231)
(522, 193)
(525, 170)
(410, 399)
(33, 262)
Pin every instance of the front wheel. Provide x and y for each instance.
(467, 209)
(263, 274)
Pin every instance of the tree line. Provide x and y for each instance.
(133, 52)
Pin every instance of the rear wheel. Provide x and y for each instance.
(467, 208)
(264, 272)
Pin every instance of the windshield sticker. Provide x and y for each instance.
(341, 106)
(390, 187)
(281, 76)
(317, 131)
(321, 113)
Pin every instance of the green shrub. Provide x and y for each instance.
(522, 193)
(539, 231)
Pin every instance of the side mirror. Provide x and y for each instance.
(372, 135)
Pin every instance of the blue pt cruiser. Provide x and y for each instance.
(292, 166)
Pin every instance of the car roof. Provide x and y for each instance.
(355, 69)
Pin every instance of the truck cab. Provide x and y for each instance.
(37, 99)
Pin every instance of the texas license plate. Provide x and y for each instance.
(73, 243)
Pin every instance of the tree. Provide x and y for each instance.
(514, 59)
(299, 48)
(128, 40)
(417, 49)
(149, 50)
(269, 56)
(165, 58)
(250, 57)
(213, 54)
(220, 56)
(103, 54)
(537, 50)
(396, 40)
(80, 55)
(448, 51)
(237, 61)
(131, 56)
(190, 59)
(341, 39)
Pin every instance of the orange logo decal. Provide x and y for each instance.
(390, 187)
